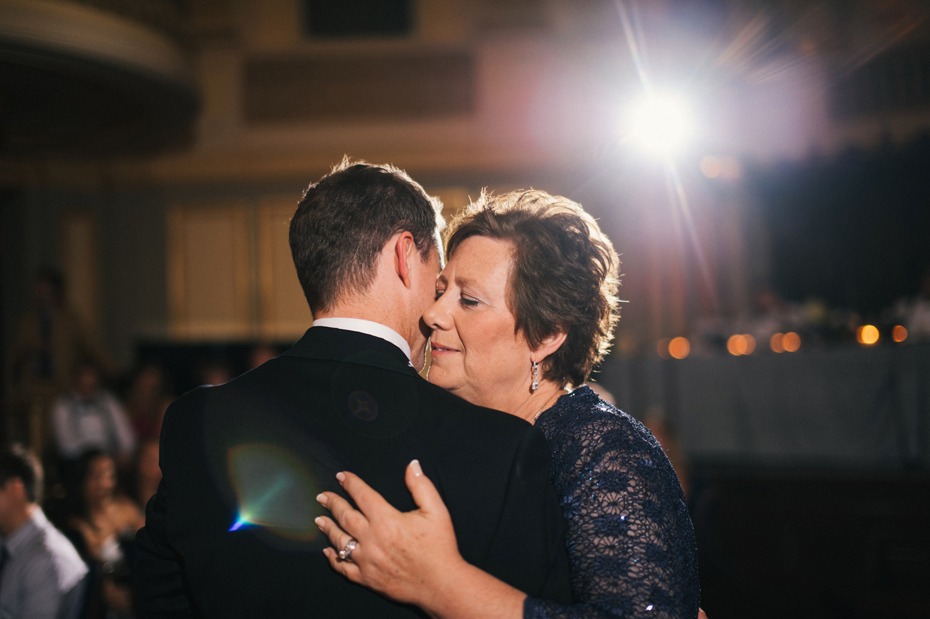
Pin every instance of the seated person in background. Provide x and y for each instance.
(105, 523)
(214, 372)
(44, 349)
(262, 353)
(91, 418)
(41, 575)
(147, 400)
(146, 474)
(914, 312)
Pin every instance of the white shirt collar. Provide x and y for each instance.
(368, 327)
(27, 530)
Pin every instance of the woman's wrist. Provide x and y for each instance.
(463, 591)
(441, 593)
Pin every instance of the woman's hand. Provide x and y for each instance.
(406, 556)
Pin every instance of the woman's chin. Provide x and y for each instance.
(433, 376)
(438, 377)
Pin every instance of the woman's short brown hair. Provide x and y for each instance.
(564, 275)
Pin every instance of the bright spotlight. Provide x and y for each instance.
(661, 125)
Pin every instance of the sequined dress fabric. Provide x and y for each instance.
(629, 536)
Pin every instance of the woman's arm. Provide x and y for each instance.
(629, 537)
(412, 557)
(130, 517)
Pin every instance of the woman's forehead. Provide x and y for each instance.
(480, 254)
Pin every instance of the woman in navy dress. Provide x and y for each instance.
(525, 309)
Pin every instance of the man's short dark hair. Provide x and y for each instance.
(16, 462)
(343, 221)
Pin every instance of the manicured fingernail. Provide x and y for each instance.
(321, 499)
(341, 477)
(415, 465)
(319, 522)
(327, 552)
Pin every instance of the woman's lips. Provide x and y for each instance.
(439, 349)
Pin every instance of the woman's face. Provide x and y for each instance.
(101, 480)
(148, 461)
(475, 352)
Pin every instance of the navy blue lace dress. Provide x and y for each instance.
(629, 536)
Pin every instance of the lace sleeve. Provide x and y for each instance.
(628, 530)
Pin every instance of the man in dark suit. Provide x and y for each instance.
(230, 532)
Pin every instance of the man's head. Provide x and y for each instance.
(20, 486)
(86, 379)
(48, 288)
(356, 224)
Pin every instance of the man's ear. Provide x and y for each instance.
(15, 488)
(549, 345)
(405, 250)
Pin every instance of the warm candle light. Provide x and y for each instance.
(899, 333)
(776, 343)
(662, 347)
(867, 334)
(736, 345)
(679, 348)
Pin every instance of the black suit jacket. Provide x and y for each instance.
(230, 532)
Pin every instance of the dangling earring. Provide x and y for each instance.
(535, 377)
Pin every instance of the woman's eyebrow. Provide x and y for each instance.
(470, 283)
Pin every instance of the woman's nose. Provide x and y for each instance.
(436, 316)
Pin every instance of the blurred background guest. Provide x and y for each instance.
(657, 422)
(91, 418)
(102, 523)
(914, 312)
(145, 474)
(261, 353)
(147, 400)
(47, 344)
(213, 371)
(602, 393)
(41, 575)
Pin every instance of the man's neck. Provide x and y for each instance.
(17, 519)
(369, 310)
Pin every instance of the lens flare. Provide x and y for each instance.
(274, 490)
(711, 166)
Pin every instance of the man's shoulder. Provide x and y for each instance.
(51, 554)
(446, 403)
(293, 384)
(461, 428)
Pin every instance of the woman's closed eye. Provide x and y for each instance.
(469, 303)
